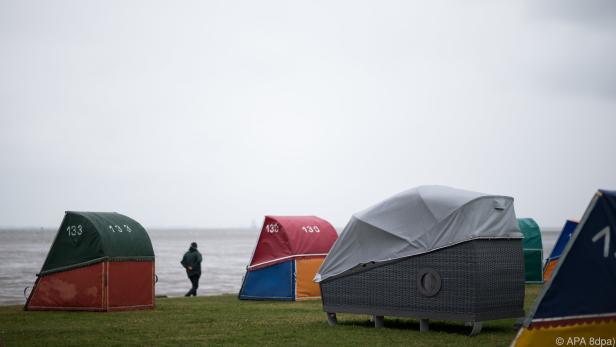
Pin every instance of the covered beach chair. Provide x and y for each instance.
(533, 250)
(289, 251)
(577, 306)
(98, 261)
(559, 247)
(431, 252)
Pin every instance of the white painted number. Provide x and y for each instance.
(311, 229)
(605, 234)
(118, 229)
(272, 228)
(74, 230)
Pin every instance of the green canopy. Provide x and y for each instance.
(88, 237)
(533, 250)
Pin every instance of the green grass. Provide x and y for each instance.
(224, 320)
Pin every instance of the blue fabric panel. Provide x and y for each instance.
(274, 282)
(563, 238)
(585, 283)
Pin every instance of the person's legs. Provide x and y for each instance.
(196, 284)
(194, 279)
(192, 290)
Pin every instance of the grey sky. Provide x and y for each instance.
(202, 113)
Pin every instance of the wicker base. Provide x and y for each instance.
(473, 281)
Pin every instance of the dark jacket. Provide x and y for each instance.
(192, 258)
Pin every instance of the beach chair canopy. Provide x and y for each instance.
(563, 239)
(418, 221)
(559, 247)
(533, 250)
(285, 237)
(89, 237)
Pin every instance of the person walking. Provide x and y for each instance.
(192, 263)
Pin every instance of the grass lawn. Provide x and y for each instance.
(224, 320)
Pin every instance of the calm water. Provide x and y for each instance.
(226, 253)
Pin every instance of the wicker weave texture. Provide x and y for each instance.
(479, 280)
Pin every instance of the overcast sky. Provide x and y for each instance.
(215, 113)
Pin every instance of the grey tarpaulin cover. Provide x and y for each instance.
(417, 221)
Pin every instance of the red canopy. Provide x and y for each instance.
(286, 237)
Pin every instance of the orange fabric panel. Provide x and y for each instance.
(547, 274)
(130, 285)
(585, 334)
(77, 289)
(305, 270)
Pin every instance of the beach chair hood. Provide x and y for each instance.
(418, 221)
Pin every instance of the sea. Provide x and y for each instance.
(226, 252)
